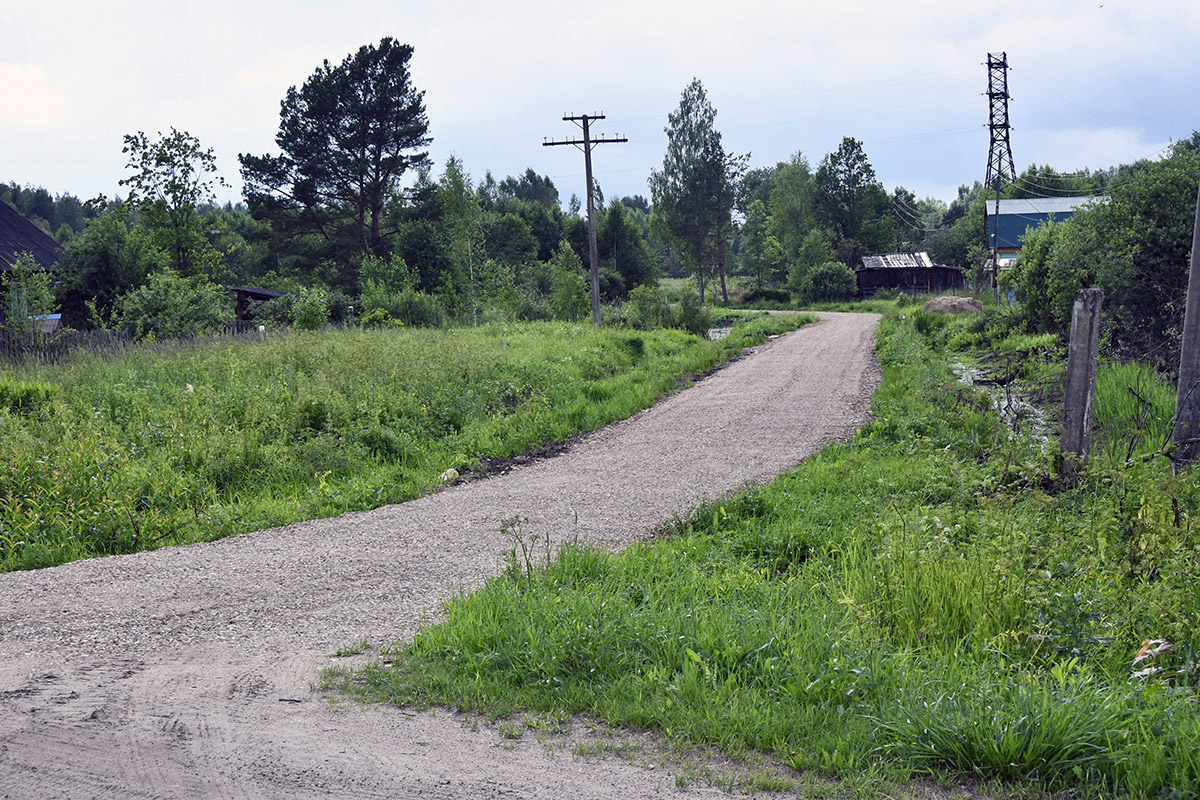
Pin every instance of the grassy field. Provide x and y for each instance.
(925, 601)
(186, 443)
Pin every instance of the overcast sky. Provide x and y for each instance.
(1093, 84)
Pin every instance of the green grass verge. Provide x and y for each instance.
(194, 442)
(923, 600)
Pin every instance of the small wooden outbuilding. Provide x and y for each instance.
(247, 297)
(911, 273)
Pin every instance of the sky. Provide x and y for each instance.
(1093, 84)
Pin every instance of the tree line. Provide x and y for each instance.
(349, 217)
(351, 210)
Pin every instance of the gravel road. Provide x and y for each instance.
(186, 672)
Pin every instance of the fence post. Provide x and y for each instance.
(1082, 356)
(1187, 401)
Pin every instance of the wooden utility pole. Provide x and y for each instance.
(1187, 397)
(586, 144)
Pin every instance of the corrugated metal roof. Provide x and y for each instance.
(897, 261)
(1041, 205)
(19, 235)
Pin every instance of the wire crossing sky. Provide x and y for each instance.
(1093, 84)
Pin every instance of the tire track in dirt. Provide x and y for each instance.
(186, 672)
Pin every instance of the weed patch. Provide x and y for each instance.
(150, 448)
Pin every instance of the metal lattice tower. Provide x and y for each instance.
(1000, 167)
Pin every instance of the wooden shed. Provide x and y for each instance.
(911, 273)
(247, 297)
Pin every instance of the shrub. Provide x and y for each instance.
(647, 307)
(408, 306)
(832, 281)
(310, 311)
(276, 311)
(420, 310)
(767, 296)
(172, 306)
(26, 290)
(569, 294)
(691, 316)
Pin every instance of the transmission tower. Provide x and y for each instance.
(586, 144)
(1000, 167)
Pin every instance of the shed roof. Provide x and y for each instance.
(897, 261)
(19, 235)
(256, 292)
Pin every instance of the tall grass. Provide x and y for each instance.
(166, 446)
(1134, 409)
(920, 599)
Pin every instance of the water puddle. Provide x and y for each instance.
(1018, 413)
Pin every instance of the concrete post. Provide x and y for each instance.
(1187, 398)
(1082, 357)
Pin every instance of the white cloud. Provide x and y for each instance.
(1097, 81)
(28, 98)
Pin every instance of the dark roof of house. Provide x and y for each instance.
(19, 235)
(255, 292)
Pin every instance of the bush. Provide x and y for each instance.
(26, 290)
(767, 296)
(338, 306)
(830, 282)
(569, 294)
(174, 307)
(276, 311)
(420, 310)
(647, 307)
(691, 316)
(310, 312)
(407, 307)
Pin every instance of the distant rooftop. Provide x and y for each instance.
(1042, 205)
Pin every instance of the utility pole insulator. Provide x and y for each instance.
(586, 144)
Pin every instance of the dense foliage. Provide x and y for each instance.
(1136, 246)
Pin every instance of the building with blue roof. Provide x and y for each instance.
(1018, 216)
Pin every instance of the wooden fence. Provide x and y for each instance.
(52, 348)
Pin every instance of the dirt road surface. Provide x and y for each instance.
(187, 672)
